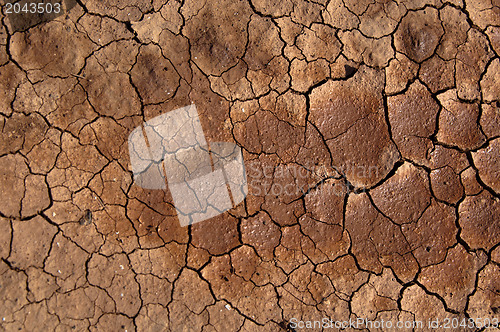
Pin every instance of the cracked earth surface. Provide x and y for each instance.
(381, 117)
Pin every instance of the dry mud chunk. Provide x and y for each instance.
(31, 242)
(265, 132)
(453, 279)
(10, 77)
(400, 71)
(154, 289)
(118, 56)
(455, 26)
(73, 111)
(218, 235)
(344, 275)
(438, 74)
(113, 322)
(222, 318)
(486, 301)
(339, 16)
(111, 184)
(469, 181)
(21, 132)
(432, 234)
(418, 34)
(41, 284)
(376, 241)
(330, 241)
(42, 157)
(494, 36)
(490, 120)
(110, 137)
(103, 88)
(405, 195)
(483, 12)
(413, 120)
(191, 291)
(120, 10)
(49, 47)
(293, 249)
(319, 42)
(478, 217)
(103, 30)
(373, 52)
(151, 26)
(13, 291)
(262, 234)
(446, 185)
(306, 74)
(264, 43)
(77, 304)
(66, 262)
(165, 262)
(36, 197)
(76, 166)
(345, 112)
(5, 237)
(381, 18)
(176, 49)
(273, 7)
(379, 294)
(306, 12)
(324, 204)
(487, 162)
(490, 84)
(114, 275)
(259, 303)
(442, 156)
(13, 171)
(153, 317)
(425, 307)
(458, 122)
(217, 39)
(154, 76)
(34, 316)
(472, 58)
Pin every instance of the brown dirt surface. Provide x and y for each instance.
(370, 133)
